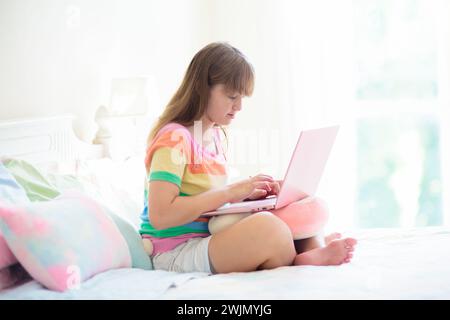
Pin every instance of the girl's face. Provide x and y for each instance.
(222, 105)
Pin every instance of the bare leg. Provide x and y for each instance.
(246, 246)
(259, 241)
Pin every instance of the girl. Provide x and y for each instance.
(186, 177)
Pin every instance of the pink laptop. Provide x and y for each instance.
(302, 176)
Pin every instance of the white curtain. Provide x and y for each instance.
(319, 91)
(304, 55)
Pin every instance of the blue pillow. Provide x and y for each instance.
(10, 190)
(139, 258)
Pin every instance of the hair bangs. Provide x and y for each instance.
(241, 78)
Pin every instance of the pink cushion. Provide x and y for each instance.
(6, 256)
(305, 218)
(64, 241)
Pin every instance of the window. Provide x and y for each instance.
(380, 69)
(399, 177)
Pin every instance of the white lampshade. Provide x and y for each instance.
(123, 124)
(130, 95)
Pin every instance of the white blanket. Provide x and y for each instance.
(388, 264)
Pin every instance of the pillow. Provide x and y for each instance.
(139, 258)
(93, 179)
(10, 192)
(65, 182)
(65, 241)
(121, 191)
(117, 184)
(35, 184)
(7, 258)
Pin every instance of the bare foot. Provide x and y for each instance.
(331, 237)
(335, 253)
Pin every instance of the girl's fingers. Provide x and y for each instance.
(265, 176)
(262, 177)
(275, 187)
(262, 185)
(258, 193)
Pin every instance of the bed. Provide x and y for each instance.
(388, 263)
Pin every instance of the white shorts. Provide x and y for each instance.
(190, 256)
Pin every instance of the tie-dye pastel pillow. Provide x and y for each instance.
(10, 192)
(64, 241)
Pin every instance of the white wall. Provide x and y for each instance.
(58, 56)
(255, 27)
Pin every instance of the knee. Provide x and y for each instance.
(219, 223)
(270, 229)
(266, 221)
(278, 241)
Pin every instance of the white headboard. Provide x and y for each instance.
(45, 140)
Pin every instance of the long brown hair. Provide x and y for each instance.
(217, 63)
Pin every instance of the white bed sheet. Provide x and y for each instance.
(113, 284)
(388, 264)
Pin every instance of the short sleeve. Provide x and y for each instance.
(168, 159)
(167, 165)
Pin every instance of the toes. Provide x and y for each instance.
(333, 236)
(350, 242)
(348, 258)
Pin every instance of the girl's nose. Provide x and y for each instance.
(238, 104)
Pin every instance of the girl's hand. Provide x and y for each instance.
(254, 186)
(263, 193)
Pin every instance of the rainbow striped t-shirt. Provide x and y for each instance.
(174, 156)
